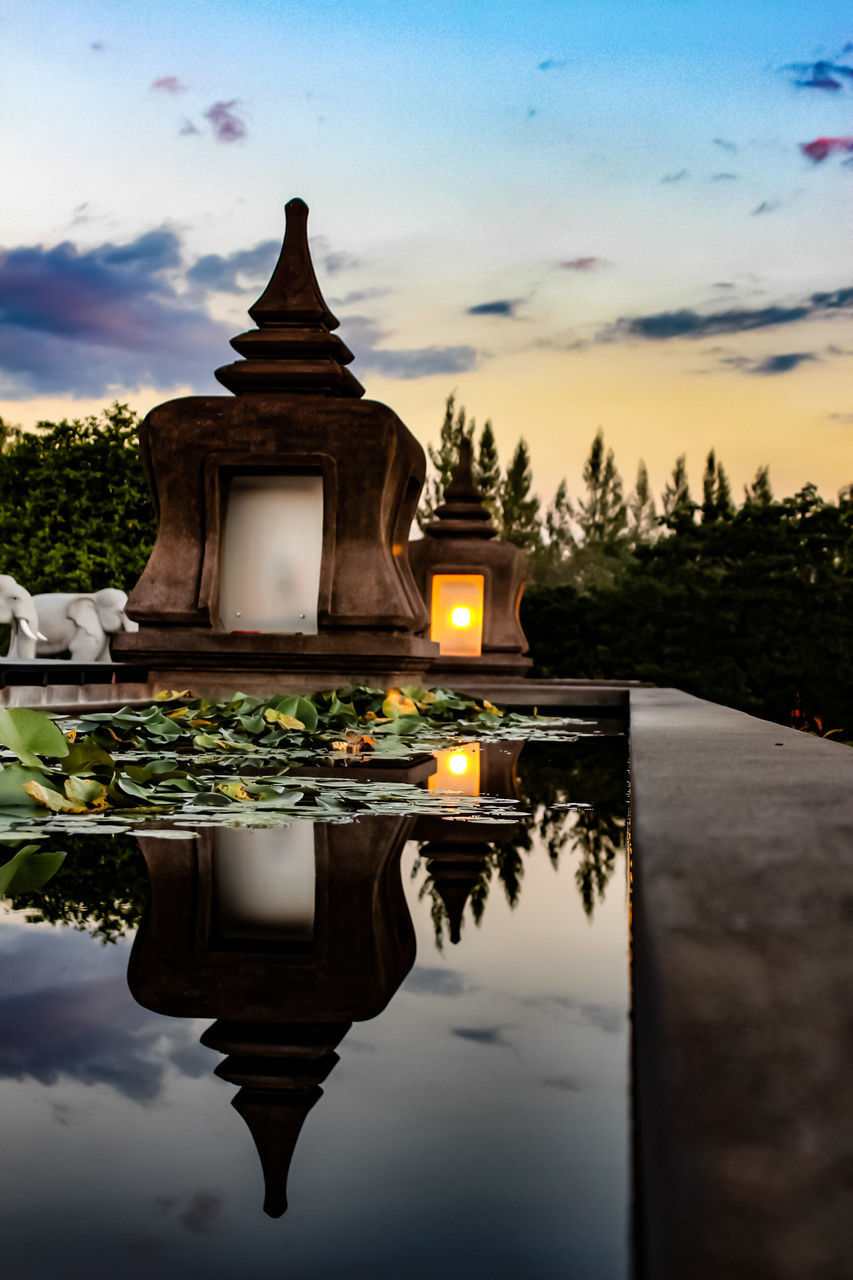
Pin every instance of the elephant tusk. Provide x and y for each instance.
(39, 636)
(28, 631)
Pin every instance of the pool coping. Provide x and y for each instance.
(742, 905)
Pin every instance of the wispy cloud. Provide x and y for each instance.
(686, 322)
(188, 128)
(725, 144)
(766, 206)
(237, 271)
(820, 148)
(227, 126)
(365, 338)
(168, 84)
(679, 176)
(500, 307)
(552, 64)
(825, 73)
(770, 365)
(723, 177)
(582, 264)
(493, 1036)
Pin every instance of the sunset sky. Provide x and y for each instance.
(572, 213)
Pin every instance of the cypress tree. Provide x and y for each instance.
(519, 514)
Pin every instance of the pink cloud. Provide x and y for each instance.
(820, 148)
(169, 84)
(581, 264)
(227, 126)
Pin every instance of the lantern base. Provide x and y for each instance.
(445, 669)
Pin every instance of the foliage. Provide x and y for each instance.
(75, 511)
(751, 609)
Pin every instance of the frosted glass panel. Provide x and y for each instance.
(265, 883)
(272, 547)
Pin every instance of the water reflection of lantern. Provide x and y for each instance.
(457, 769)
(284, 981)
(473, 583)
(457, 852)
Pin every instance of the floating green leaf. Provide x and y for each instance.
(29, 870)
(30, 734)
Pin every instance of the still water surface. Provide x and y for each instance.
(475, 1122)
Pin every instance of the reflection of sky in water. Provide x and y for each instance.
(478, 1127)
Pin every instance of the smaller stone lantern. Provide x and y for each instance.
(472, 583)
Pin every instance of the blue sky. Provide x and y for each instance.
(573, 214)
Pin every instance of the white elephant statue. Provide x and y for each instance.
(18, 607)
(81, 623)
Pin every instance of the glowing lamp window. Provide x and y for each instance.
(457, 769)
(457, 614)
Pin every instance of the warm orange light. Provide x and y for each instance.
(457, 769)
(457, 614)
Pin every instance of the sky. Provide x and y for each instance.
(632, 215)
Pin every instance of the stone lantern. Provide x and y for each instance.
(283, 512)
(286, 936)
(472, 583)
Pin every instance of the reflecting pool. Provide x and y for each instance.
(422, 1023)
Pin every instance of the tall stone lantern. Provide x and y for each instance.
(283, 512)
(472, 583)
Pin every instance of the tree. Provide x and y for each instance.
(759, 492)
(487, 471)
(603, 517)
(75, 510)
(551, 562)
(716, 491)
(454, 428)
(678, 506)
(642, 516)
(519, 510)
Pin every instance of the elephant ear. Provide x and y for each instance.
(84, 613)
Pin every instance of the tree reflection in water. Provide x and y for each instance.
(549, 778)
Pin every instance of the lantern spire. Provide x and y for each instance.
(462, 514)
(293, 349)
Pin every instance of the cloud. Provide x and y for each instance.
(169, 84)
(227, 126)
(605, 1017)
(203, 1213)
(723, 177)
(97, 46)
(782, 363)
(435, 982)
(676, 177)
(842, 417)
(725, 144)
(820, 148)
(552, 64)
(339, 261)
(822, 74)
(689, 323)
(501, 307)
(222, 274)
(358, 295)
(83, 323)
(481, 1035)
(364, 336)
(582, 264)
(187, 128)
(766, 206)
(89, 1030)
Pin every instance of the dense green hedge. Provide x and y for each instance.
(755, 611)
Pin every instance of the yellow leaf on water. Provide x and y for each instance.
(50, 799)
(489, 706)
(284, 721)
(71, 735)
(397, 704)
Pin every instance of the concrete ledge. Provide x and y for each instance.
(742, 839)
